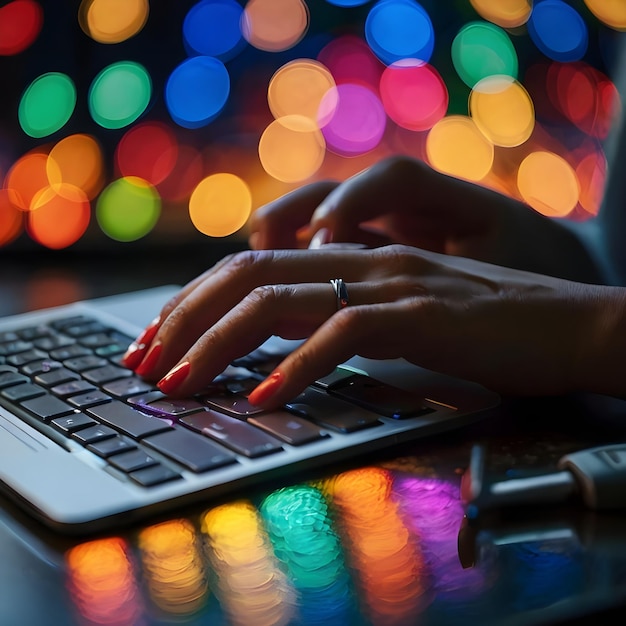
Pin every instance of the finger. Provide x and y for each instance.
(223, 289)
(288, 311)
(276, 225)
(138, 349)
(345, 334)
(402, 184)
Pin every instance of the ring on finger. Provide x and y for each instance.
(341, 293)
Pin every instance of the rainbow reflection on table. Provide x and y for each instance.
(374, 545)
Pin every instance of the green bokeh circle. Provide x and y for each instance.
(128, 209)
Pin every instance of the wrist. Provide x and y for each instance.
(599, 366)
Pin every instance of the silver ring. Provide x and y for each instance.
(341, 293)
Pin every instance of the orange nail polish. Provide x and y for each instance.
(265, 390)
(174, 377)
(146, 366)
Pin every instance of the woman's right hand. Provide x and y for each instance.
(403, 200)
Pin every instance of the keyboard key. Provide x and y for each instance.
(14, 347)
(70, 423)
(33, 332)
(47, 407)
(41, 366)
(127, 420)
(230, 403)
(157, 403)
(92, 434)
(331, 412)
(289, 428)
(132, 461)
(193, 451)
(335, 378)
(156, 475)
(26, 357)
(105, 374)
(129, 386)
(380, 397)
(86, 362)
(236, 434)
(53, 342)
(85, 400)
(73, 320)
(10, 377)
(69, 352)
(72, 388)
(97, 340)
(108, 447)
(83, 328)
(55, 377)
(17, 393)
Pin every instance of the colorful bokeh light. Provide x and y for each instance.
(414, 94)
(120, 94)
(558, 30)
(275, 25)
(480, 50)
(505, 13)
(197, 91)
(272, 94)
(352, 119)
(610, 12)
(298, 88)
(451, 140)
(502, 110)
(148, 150)
(128, 208)
(113, 21)
(20, 25)
(220, 205)
(47, 104)
(400, 29)
(213, 28)
(548, 184)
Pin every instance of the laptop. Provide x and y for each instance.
(87, 446)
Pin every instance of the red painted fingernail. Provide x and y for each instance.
(134, 355)
(174, 377)
(149, 332)
(146, 366)
(265, 390)
(137, 350)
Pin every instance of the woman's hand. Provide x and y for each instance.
(512, 331)
(403, 200)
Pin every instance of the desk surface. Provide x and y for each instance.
(382, 541)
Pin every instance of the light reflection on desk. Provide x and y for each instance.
(370, 546)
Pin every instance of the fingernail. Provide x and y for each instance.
(134, 355)
(265, 390)
(146, 366)
(149, 332)
(322, 236)
(136, 351)
(174, 377)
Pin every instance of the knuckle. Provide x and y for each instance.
(248, 262)
(268, 296)
(399, 260)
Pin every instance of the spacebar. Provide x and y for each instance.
(193, 451)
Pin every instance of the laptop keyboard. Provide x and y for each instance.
(65, 379)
